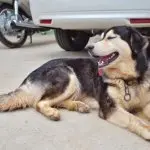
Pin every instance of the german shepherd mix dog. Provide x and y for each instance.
(122, 92)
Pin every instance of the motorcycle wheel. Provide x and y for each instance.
(12, 38)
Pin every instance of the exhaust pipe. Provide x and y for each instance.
(24, 25)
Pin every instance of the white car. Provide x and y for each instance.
(76, 20)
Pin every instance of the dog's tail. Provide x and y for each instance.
(15, 100)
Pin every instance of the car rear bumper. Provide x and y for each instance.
(90, 20)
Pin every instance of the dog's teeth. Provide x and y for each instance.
(110, 57)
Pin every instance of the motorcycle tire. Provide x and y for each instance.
(6, 42)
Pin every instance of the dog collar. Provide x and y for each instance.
(127, 96)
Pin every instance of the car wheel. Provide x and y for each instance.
(71, 40)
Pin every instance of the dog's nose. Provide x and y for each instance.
(90, 50)
(90, 47)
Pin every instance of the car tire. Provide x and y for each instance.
(71, 40)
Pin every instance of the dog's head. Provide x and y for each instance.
(121, 52)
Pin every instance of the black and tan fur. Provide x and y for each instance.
(74, 84)
(60, 83)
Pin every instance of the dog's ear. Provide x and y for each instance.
(139, 46)
(138, 42)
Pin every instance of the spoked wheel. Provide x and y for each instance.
(12, 38)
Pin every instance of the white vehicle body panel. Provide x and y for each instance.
(95, 14)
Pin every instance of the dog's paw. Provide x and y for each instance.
(146, 133)
(54, 114)
(82, 107)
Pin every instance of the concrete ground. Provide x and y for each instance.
(29, 130)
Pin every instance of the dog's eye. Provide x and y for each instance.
(111, 37)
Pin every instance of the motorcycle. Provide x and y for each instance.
(16, 23)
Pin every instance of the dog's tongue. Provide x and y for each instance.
(104, 58)
(100, 72)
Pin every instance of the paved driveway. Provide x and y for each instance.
(28, 130)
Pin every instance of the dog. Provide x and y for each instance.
(116, 80)
(60, 83)
(123, 54)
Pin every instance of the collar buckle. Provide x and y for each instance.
(127, 96)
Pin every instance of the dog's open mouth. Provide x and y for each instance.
(107, 59)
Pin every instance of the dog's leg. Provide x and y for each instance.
(146, 111)
(45, 108)
(142, 116)
(91, 102)
(73, 105)
(127, 120)
(45, 105)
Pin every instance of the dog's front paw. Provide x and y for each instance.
(146, 133)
